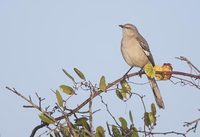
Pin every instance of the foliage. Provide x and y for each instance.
(63, 121)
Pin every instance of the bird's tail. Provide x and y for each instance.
(156, 93)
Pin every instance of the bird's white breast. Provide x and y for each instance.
(133, 53)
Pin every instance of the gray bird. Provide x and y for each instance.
(136, 53)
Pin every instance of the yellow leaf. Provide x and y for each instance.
(68, 75)
(116, 131)
(100, 132)
(146, 119)
(102, 84)
(119, 94)
(124, 94)
(123, 122)
(167, 68)
(59, 98)
(67, 89)
(125, 86)
(83, 122)
(162, 73)
(149, 118)
(148, 69)
(46, 119)
(65, 131)
(135, 132)
(152, 118)
(79, 73)
(153, 109)
(158, 69)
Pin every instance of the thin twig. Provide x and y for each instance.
(106, 105)
(162, 133)
(37, 128)
(29, 101)
(69, 125)
(141, 98)
(189, 62)
(192, 122)
(96, 93)
(184, 82)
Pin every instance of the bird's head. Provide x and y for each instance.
(129, 30)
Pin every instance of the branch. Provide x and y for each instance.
(188, 62)
(192, 122)
(96, 92)
(91, 113)
(106, 105)
(182, 74)
(162, 133)
(185, 82)
(37, 128)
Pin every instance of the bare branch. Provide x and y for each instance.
(192, 122)
(188, 62)
(162, 133)
(96, 91)
(106, 105)
(109, 132)
(184, 82)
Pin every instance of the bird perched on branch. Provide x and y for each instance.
(135, 51)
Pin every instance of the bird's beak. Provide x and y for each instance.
(121, 26)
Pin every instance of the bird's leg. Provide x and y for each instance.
(141, 71)
(126, 74)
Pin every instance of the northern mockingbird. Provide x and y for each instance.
(136, 53)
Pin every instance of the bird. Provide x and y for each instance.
(136, 53)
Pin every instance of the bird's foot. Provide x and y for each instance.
(141, 72)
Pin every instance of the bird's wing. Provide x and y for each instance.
(145, 47)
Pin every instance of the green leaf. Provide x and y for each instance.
(100, 132)
(123, 123)
(82, 133)
(124, 94)
(67, 89)
(102, 84)
(131, 116)
(81, 119)
(51, 135)
(146, 119)
(153, 109)
(116, 131)
(83, 122)
(134, 132)
(125, 86)
(79, 73)
(46, 119)
(149, 119)
(59, 98)
(68, 75)
(119, 95)
(148, 69)
(152, 118)
(56, 133)
(65, 131)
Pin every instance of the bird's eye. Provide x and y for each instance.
(127, 27)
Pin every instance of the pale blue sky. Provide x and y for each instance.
(39, 38)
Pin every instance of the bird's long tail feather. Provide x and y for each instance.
(156, 93)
